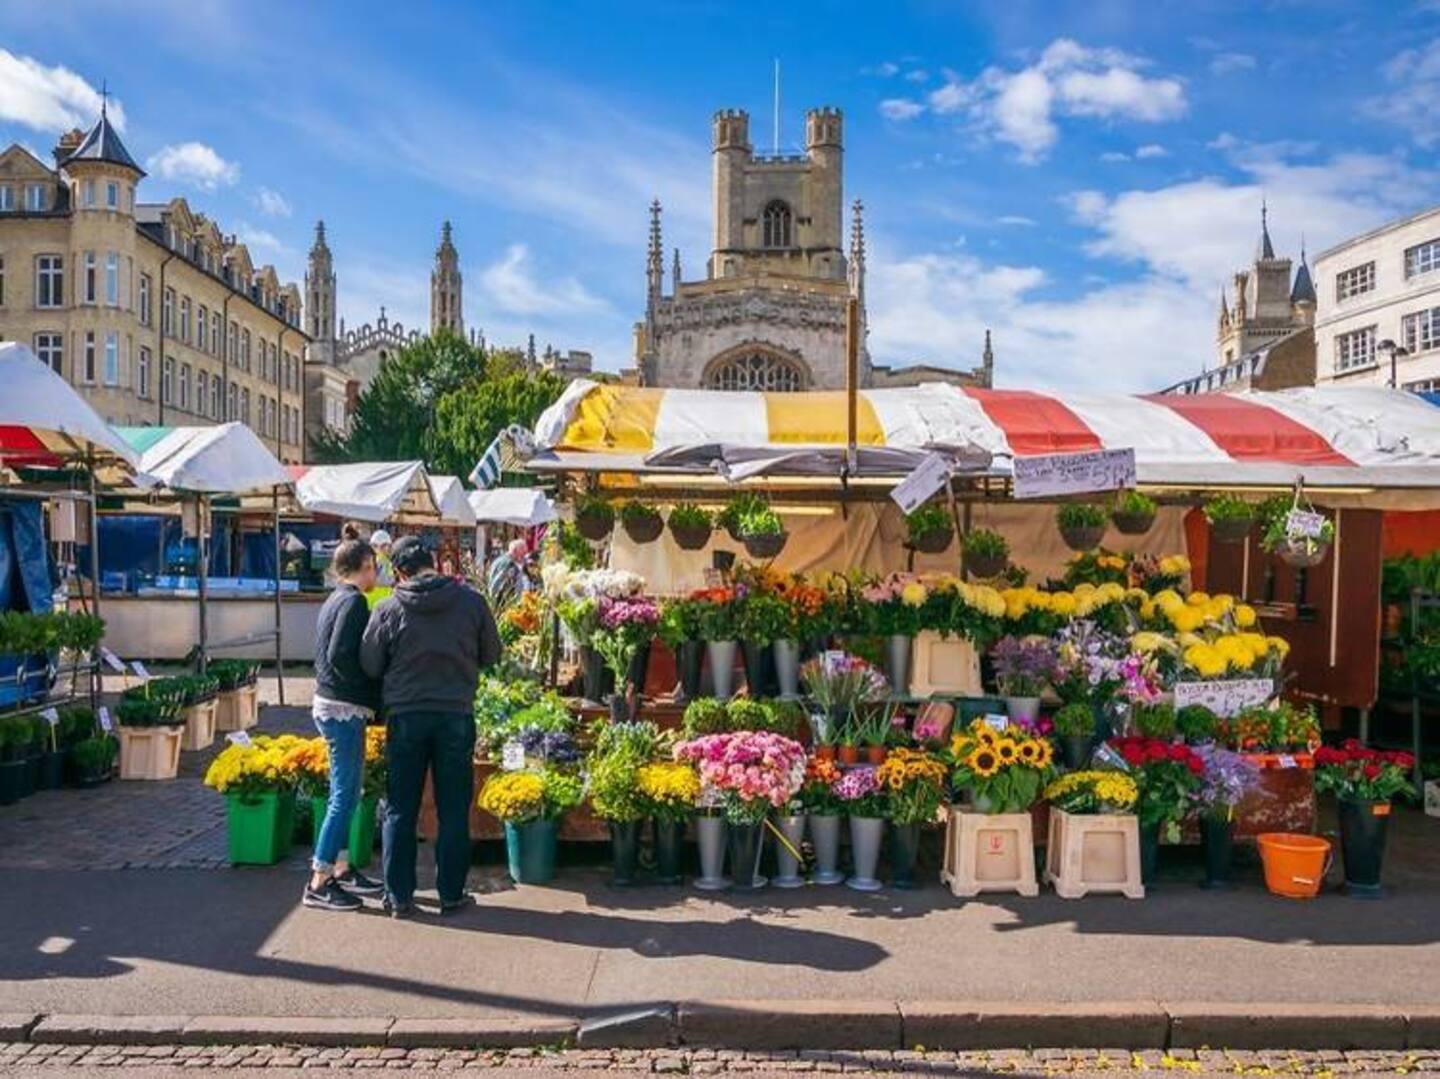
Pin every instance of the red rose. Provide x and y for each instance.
(1156, 751)
(1196, 765)
(1178, 753)
(1372, 771)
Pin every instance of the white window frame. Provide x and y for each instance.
(142, 374)
(184, 401)
(1346, 345)
(1420, 330)
(112, 195)
(1355, 281)
(112, 358)
(112, 279)
(87, 193)
(167, 313)
(50, 350)
(87, 372)
(7, 198)
(89, 270)
(167, 381)
(49, 281)
(145, 312)
(1422, 258)
(35, 198)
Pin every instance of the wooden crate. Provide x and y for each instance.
(948, 666)
(989, 853)
(1093, 854)
(149, 752)
(199, 726)
(237, 709)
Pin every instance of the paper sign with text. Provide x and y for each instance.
(1073, 473)
(512, 757)
(1225, 698)
(997, 723)
(239, 738)
(114, 662)
(51, 716)
(1301, 524)
(139, 668)
(929, 476)
(103, 715)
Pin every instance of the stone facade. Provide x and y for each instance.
(152, 312)
(1382, 287)
(1286, 362)
(772, 310)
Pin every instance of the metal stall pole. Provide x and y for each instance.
(93, 519)
(202, 571)
(279, 660)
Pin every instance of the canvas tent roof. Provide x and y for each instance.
(524, 507)
(224, 459)
(375, 491)
(449, 495)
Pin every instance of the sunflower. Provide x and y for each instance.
(983, 762)
(1005, 749)
(1029, 751)
(1044, 753)
(986, 736)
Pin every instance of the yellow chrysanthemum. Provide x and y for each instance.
(1279, 645)
(1198, 599)
(1063, 604)
(1186, 619)
(913, 594)
(1245, 616)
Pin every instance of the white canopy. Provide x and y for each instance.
(525, 507)
(449, 495)
(225, 459)
(373, 491)
(43, 419)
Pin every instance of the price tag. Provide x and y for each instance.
(1049, 475)
(512, 757)
(139, 669)
(51, 716)
(831, 659)
(103, 715)
(998, 722)
(239, 738)
(928, 476)
(1287, 761)
(1225, 698)
(1302, 524)
(114, 662)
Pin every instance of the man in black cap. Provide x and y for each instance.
(428, 642)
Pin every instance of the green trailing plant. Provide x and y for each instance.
(704, 715)
(1156, 720)
(1075, 721)
(1130, 501)
(633, 512)
(764, 618)
(1276, 534)
(762, 521)
(1196, 723)
(1227, 507)
(574, 548)
(985, 543)
(741, 504)
(928, 520)
(595, 506)
(689, 515)
(1077, 516)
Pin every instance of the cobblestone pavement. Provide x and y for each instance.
(165, 1059)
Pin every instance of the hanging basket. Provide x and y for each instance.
(1301, 553)
(985, 566)
(594, 526)
(1232, 529)
(766, 546)
(1132, 524)
(690, 537)
(643, 529)
(733, 531)
(935, 541)
(1083, 539)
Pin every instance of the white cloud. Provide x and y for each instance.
(512, 287)
(271, 203)
(888, 70)
(49, 98)
(1016, 219)
(1021, 107)
(1412, 101)
(1149, 150)
(1227, 63)
(1112, 157)
(256, 238)
(900, 108)
(193, 163)
(918, 75)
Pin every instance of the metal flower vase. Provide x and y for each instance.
(787, 865)
(721, 655)
(897, 662)
(787, 668)
(710, 837)
(825, 838)
(747, 843)
(867, 836)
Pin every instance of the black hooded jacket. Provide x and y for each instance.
(428, 642)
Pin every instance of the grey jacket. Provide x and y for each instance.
(428, 642)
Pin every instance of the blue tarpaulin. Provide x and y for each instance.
(25, 583)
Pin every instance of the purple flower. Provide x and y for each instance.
(857, 783)
(1023, 667)
(617, 613)
(1228, 778)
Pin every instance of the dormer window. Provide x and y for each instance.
(776, 224)
(112, 195)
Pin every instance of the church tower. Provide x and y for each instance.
(320, 298)
(1264, 306)
(445, 296)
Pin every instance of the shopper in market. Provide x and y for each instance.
(345, 701)
(385, 566)
(507, 577)
(428, 643)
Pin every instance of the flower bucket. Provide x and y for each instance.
(1295, 865)
(721, 655)
(1149, 853)
(825, 838)
(787, 668)
(1022, 709)
(199, 725)
(710, 836)
(625, 851)
(904, 853)
(598, 681)
(52, 771)
(747, 843)
(258, 827)
(867, 836)
(669, 851)
(691, 661)
(759, 669)
(897, 663)
(237, 709)
(530, 851)
(1362, 845)
(360, 843)
(1075, 749)
(13, 781)
(787, 866)
(150, 752)
(1218, 836)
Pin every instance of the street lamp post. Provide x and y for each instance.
(1395, 351)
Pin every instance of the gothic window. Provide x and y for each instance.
(756, 371)
(776, 222)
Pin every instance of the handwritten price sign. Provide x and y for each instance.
(1227, 698)
(1073, 473)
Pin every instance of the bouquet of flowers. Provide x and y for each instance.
(623, 625)
(1140, 679)
(1278, 727)
(748, 773)
(817, 793)
(1093, 793)
(893, 603)
(263, 765)
(669, 790)
(1088, 663)
(1024, 666)
(578, 594)
(860, 792)
(1004, 771)
(1227, 778)
(839, 683)
(522, 797)
(715, 613)
(548, 746)
(521, 618)
(915, 783)
(1360, 774)
(1168, 775)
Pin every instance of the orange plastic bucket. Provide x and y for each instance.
(1295, 865)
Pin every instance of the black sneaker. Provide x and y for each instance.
(330, 896)
(452, 906)
(398, 911)
(357, 883)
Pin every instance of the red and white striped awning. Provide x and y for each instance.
(1332, 437)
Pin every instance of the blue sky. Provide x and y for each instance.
(1079, 176)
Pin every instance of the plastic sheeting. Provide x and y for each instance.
(225, 459)
(449, 495)
(25, 583)
(43, 419)
(524, 507)
(371, 491)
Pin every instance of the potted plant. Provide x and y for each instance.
(594, 517)
(1023, 668)
(748, 774)
(679, 628)
(1364, 781)
(642, 522)
(259, 790)
(1074, 728)
(860, 792)
(914, 783)
(838, 684)
(729, 516)
(197, 694)
(1196, 724)
(1228, 778)
(986, 553)
(92, 760)
(612, 782)
(762, 532)
(1155, 720)
(1001, 771)
(14, 768)
(930, 528)
(1133, 513)
(892, 607)
(691, 526)
(1081, 524)
(237, 702)
(669, 792)
(1230, 517)
(716, 619)
(309, 763)
(1294, 548)
(1094, 840)
(874, 729)
(823, 811)
(622, 637)
(1168, 775)
(530, 804)
(151, 731)
(761, 620)
(51, 767)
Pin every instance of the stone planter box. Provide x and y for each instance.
(199, 725)
(989, 853)
(150, 752)
(237, 709)
(1093, 854)
(948, 666)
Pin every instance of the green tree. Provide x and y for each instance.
(468, 419)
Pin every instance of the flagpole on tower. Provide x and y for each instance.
(777, 109)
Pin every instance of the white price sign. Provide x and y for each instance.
(139, 668)
(997, 722)
(51, 716)
(114, 662)
(1302, 524)
(929, 476)
(103, 715)
(512, 757)
(1073, 473)
(1225, 698)
(239, 738)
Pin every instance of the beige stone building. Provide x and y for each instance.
(152, 312)
(770, 312)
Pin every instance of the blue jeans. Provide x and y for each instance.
(345, 738)
(442, 744)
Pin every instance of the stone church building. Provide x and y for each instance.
(770, 311)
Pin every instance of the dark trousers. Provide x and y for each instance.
(442, 743)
